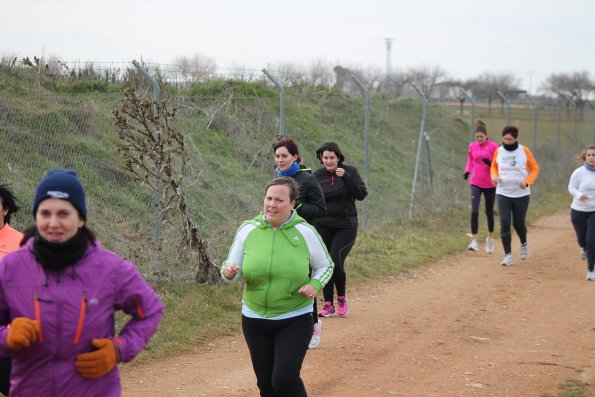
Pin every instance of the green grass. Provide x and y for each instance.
(229, 128)
(572, 388)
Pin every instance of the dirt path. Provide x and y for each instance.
(463, 326)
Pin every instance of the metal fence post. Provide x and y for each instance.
(366, 144)
(575, 111)
(592, 121)
(281, 102)
(472, 115)
(557, 124)
(535, 110)
(507, 102)
(571, 106)
(157, 136)
(420, 143)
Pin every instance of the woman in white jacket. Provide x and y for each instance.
(582, 210)
(513, 171)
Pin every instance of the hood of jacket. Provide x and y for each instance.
(287, 228)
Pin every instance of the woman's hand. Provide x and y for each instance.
(308, 291)
(340, 172)
(495, 180)
(22, 332)
(583, 197)
(231, 269)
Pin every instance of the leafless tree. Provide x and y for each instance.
(374, 77)
(459, 89)
(197, 67)
(572, 87)
(488, 84)
(242, 72)
(289, 74)
(426, 77)
(154, 153)
(397, 81)
(320, 73)
(8, 60)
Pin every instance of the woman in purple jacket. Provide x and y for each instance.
(59, 293)
(479, 160)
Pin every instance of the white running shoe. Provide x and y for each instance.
(490, 245)
(524, 251)
(590, 276)
(473, 246)
(315, 341)
(583, 254)
(507, 261)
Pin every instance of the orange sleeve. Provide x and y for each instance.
(494, 166)
(10, 240)
(532, 166)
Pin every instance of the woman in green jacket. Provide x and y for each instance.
(273, 254)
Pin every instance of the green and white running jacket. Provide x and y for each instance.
(275, 263)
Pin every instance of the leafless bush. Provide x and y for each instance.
(154, 153)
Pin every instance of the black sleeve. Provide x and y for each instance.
(311, 204)
(354, 183)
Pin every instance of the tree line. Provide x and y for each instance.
(574, 89)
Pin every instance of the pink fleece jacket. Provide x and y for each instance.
(480, 171)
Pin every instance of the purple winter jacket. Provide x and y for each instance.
(73, 307)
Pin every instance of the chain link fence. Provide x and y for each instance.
(229, 140)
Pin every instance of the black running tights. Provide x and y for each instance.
(338, 243)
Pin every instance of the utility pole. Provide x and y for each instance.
(389, 43)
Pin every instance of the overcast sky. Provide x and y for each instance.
(530, 38)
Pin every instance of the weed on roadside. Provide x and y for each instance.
(572, 388)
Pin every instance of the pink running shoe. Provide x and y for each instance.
(342, 308)
(328, 310)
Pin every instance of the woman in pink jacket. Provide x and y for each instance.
(59, 293)
(479, 160)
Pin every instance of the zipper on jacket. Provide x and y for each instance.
(79, 327)
(40, 337)
(266, 300)
(58, 347)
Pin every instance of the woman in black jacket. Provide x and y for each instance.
(341, 185)
(309, 204)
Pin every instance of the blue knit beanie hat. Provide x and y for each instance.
(64, 185)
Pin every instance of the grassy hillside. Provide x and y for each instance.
(230, 127)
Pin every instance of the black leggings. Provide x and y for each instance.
(584, 226)
(277, 349)
(515, 207)
(338, 243)
(5, 365)
(490, 196)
